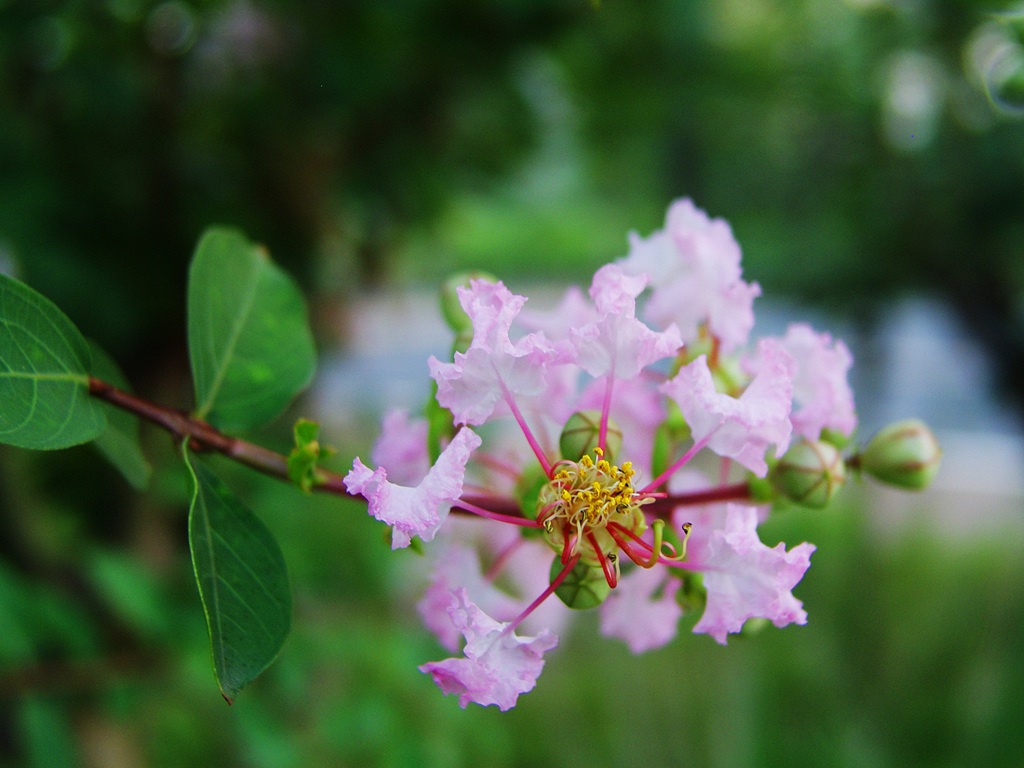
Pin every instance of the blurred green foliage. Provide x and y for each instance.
(859, 149)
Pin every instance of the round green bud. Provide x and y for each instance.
(754, 626)
(836, 438)
(451, 308)
(762, 491)
(584, 587)
(905, 454)
(580, 436)
(810, 473)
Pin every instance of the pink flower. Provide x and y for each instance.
(420, 510)
(822, 397)
(497, 666)
(460, 568)
(694, 269)
(746, 579)
(739, 428)
(639, 410)
(599, 400)
(459, 563)
(402, 448)
(494, 367)
(617, 344)
(574, 310)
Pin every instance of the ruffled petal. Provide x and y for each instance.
(694, 267)
(746, 579)
(739, 428)
(822, 398)
(419, 510)
(524, 572)
(497, 665)
(460, 567)
(401, 448)
(617, 343)
(494, 367)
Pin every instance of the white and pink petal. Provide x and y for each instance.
(497, 665)
(746, 579)
(740, 428)
(415, 510)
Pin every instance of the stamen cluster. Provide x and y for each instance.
(582, 500)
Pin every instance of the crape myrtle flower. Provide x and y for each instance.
(573, 437)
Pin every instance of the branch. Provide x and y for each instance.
(734, 492)
(202, 436)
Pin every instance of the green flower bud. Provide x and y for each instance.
(584, 587)
(580, 436)
(762, 490)
(452, 310)
(810, 473)
(755, 626)
(904, 454)
(836, 438)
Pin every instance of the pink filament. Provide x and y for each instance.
(606, 407)
(609, 572)
(683, 460)
(520, 521)
(537, 450)
(555, 583)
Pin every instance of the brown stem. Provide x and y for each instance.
(734, 492)
(202, 436)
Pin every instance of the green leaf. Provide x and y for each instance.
(248, 333)
(243, 582)
(120, 442)
(44, 374)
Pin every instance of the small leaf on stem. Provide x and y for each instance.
(303, 459)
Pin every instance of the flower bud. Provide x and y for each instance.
(905, 454)
(581, 433)
(451, 307)
(584, 587)
(810, 473)
(835, 437)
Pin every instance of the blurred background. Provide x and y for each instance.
(869, 155)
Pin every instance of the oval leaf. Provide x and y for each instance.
(44, 374)
(243, 582)
(248, 333)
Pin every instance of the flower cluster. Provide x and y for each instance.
(605, 453)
